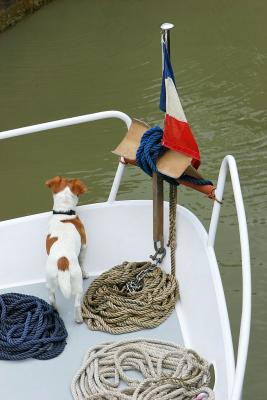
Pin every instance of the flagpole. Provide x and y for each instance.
(158, 198)
(165, 35)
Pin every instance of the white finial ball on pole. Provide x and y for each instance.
(166, 26)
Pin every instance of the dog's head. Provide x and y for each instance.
(66, 191)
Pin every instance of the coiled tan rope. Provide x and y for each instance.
(108, 306)
(167, 372)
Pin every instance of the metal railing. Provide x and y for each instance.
(76, 121)
(229, 164)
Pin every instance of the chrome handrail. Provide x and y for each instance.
(75, 121)
(229, 164)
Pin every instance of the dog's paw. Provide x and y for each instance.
(85, 275)
(78, 315)
(52, 301)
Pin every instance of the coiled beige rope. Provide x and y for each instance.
(108, 306)
(167, 372)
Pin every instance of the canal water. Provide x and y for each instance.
(73, 58)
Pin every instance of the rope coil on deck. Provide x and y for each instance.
(168, 372)
(109, 307)
(29, 328)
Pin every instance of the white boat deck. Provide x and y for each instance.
(51, 379)
(202, 311)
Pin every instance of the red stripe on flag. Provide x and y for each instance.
(177, 136)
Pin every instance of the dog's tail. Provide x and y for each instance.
(64, 276)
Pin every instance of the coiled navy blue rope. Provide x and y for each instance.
(29, 328)
(148, 152)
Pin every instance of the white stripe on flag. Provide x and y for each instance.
(173, 105)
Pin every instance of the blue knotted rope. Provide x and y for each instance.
(29, 328)
(148, 152)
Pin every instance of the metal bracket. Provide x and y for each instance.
(160, 253)
(136, 284)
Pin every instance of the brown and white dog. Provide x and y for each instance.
(66, 242)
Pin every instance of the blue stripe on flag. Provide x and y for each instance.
(167, 73)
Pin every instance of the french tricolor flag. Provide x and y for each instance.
(177, 134)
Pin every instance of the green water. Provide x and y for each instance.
(78, 57)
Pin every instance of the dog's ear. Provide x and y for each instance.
(78, 187)
(53, 183)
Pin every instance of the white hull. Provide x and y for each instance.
(122, 231)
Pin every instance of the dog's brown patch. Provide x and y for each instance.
(63, 264)
(57, 184)
(79, 226)
(49, 242)
(77, 187)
